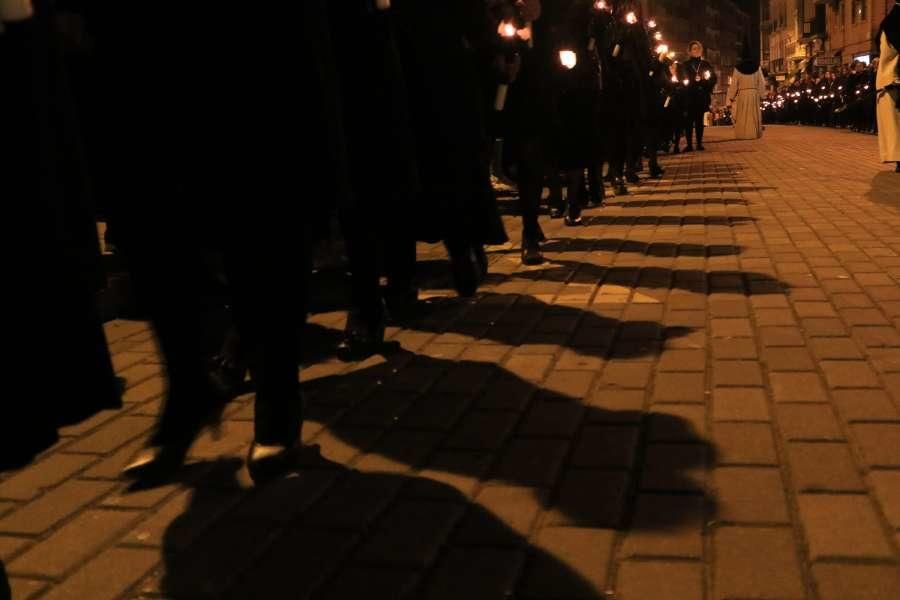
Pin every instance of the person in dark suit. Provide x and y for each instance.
(701, 83)
(55, 337)
(222, 142)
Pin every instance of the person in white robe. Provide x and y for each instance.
(887, 84)
(748, 86)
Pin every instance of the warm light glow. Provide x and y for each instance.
(601, 5)
(658, 36)
(674, 78)
(686, 82)
(568, 59)
(524, 34)
(507, 30)
(631, 18)
(706, 74)
(662, 49)
(672, 54)
(651, 23)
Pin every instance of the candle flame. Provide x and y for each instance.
(658, 36)
(686, 82)
(706, 74)
(631, 18)
(507, 30)
(568, 59)
(662, 49)
(651, 23)
(601, 5)
(674, 78)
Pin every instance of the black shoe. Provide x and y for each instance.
(574, 221)
(897, 170)
(467, 274)
(700, 148)
(362, 337)
(595, 201)
(481, 260)
(656, 172)
(689, 148)
(557, 212)
(268, 462)
(531, 253)
(158, 462)
(632, 177)
(620, 188)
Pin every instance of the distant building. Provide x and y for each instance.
(800, 35)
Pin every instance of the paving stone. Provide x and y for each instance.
(359, 582)
(450, 474)
(887, 491)
(824, 467)
(731, 328)
(808, 422)
(797, 387)
(475, 573)
(590, 498)
(744, 444)
(660, 580)
(879, 443)
(482, 430)
(107, 576)
(112, 435)
(666, 526)
(10, 546)
(842, 526)
(503, 516)
(674, 467)
(552, 419)
(740, 404)
(781, 336)
(571, 563)
(787, 359)
(677, 423)
(744, 553)
(865, 405)
(750, 495)
(411, 534)
(734, 349)
(606, 447)
(849, 374)
(680, 387)
(40, 515)
(532, 462)
(30, 482)
(627, 375)
(736, 373)
(683, 361)
(856, 582)
(26, 589)
(73, 543)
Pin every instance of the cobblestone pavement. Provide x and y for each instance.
(697, 397)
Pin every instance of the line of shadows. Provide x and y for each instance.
(400, 521)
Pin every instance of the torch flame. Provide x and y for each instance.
(507, 30)
(568, 59)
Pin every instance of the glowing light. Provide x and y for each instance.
(568, 59)
(662, 49)
(658, 36)
(651, 23)
(686, 82)
(706, 74)
(601, 5)
(672, 54)
(631, 18)
(674, 78)
(507, 30)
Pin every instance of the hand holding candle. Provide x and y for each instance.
(568, 59)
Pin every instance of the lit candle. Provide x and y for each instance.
(568, 59)
(15, 10)
(657, 36)
(662, 49)
(631, 18)
(706, 74)
(507, 31)
(601, 5)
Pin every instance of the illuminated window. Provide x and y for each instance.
(859, 11)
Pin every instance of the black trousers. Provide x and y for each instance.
(694, 126)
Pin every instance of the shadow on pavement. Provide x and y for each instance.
(461, 463)
(885, 189)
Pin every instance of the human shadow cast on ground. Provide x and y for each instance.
(885, 189)
(658, 249)
(408, 514)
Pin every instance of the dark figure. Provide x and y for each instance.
(55, 336)
(220, 142)
(701, 83)
(379, 218)
(439, 51)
